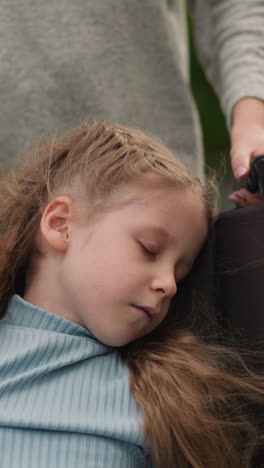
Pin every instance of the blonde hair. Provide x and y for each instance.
(189, 397)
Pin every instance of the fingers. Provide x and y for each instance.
(240, 164)
(243, 198)
(247, 135)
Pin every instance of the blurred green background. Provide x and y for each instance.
(216, 138)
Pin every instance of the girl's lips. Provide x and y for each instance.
(149, 311)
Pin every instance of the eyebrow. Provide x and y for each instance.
(159, 230)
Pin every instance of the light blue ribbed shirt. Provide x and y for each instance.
(64, 396)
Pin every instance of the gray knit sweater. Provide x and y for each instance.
(126, 61)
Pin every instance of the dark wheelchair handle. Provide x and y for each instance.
(255, 180)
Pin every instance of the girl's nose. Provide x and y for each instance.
(165, 283)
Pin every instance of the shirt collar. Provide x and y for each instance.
(23, 314)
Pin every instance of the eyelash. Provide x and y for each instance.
(151, 253)
(148, 251)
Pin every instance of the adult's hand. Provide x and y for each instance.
(247, 141)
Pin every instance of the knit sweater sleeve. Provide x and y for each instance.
(229, 36)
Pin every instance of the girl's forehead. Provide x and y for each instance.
(147, 199)
(154, 203)
(147, 189)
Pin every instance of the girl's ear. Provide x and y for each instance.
(56, 221)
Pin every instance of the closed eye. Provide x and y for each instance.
(147, 250)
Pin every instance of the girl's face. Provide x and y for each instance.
(120, 272)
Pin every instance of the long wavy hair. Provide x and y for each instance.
(193, 394)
